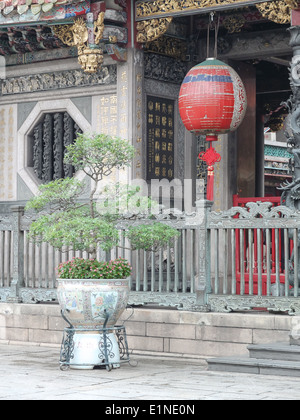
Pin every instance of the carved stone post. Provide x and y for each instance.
(295, 112)
(18, 254)
(203, 279)
(291, 191)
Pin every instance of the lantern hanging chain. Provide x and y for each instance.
(217, 25)
(212, 25)
(207, 36)
(210, 21)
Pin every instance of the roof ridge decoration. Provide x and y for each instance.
(8, 7)
(12, 12)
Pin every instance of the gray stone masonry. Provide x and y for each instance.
(156, 331)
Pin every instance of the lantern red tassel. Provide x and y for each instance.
(212, 101)
(210, 157)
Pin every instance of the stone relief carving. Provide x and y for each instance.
(252, 211)
(242, 45)
(47, 173)
(187, 302)
(50, 138)
(238, 303)
(165, 69)
(69, 135)
(38, 150)
(58, 80)
(58, 149)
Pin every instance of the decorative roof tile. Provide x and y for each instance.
(9, 7)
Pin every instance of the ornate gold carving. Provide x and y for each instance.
(146, 9)
(168, 46)
(276, 123)
(278, 11)
(99, 27)
(90, 56)
(292, 3)
(113, 39)
(80, 32)
(150, 30)
(90, 59)
(64, 33)
(234, 23)
(163, 8)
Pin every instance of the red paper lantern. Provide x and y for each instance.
(212, 101)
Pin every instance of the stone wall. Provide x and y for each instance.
(155, 331)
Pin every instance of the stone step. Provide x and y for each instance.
(255, 366)
(275, 351)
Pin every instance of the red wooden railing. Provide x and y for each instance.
(241, 202)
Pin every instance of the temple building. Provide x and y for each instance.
(116, 66)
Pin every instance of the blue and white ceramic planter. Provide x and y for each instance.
(84, 302)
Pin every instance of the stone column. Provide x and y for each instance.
(203, 279)
(18, 254)
(130, 105)
(291, 191)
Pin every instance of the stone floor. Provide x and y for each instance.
(32, 373)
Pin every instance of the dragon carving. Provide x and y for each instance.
(291, 190)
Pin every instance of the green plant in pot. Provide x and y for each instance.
(92, 292)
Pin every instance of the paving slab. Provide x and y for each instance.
(33, 373)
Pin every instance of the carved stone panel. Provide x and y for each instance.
(47, 173)
(254, 45)
(58, 145)
(68, 138)
(38, 150)
(51, 136)
(58, 80)
(165, 69)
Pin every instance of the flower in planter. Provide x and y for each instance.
(80, 268)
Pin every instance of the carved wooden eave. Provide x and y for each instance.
(38, 24)
(148, 9)
(278, 11)
(150, 30)
(153, 17)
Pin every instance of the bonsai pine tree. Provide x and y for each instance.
(66, 220)
(98, 155)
